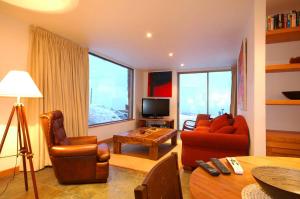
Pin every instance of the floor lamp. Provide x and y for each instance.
(19, 84)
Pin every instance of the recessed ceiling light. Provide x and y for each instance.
(171, 54)
(182, 65)
(149, 35)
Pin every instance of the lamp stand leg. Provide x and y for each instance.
(27, 147)
(22, 151)
(7, 127)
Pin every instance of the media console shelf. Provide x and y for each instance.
(157, 122)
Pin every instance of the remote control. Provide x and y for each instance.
(237, 168)
(220, 166)
(212, 171)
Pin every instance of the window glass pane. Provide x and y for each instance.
(219, 93)
(109, 91)
(193, 96)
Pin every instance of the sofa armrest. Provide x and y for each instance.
(73, 150)
(215, 140)
(82, 140)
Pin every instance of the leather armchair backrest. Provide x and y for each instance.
(53, 127)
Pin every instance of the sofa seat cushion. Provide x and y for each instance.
(226, 130)
(219, 122)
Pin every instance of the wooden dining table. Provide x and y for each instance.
(205, 186)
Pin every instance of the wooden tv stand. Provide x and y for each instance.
(158, 122)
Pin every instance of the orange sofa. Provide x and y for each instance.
(221, 137)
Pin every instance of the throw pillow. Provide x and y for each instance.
(219, 122)
(226, 130)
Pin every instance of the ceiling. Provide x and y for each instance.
(200, 33)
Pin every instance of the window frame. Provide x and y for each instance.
(207, 97)
(130, 92)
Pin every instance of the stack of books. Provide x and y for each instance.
(278, 21)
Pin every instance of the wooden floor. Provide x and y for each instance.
(120, 185)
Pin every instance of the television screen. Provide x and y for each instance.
(155, 107)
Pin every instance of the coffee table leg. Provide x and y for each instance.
(174, 140)
(153, 152)
(117, 147)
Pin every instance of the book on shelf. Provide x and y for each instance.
(286, 20)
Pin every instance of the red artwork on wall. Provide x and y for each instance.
(160, 84)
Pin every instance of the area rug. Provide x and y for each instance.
(136, 156)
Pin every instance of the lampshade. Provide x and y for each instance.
(18, 84)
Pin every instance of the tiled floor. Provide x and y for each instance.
(120, 185)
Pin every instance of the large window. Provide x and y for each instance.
(110, 91)
(205, 92)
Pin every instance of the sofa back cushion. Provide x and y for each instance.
(219, 122)
(226, 130)
(240, 125)
(203, 123)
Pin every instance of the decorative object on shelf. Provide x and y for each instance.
(19, 84)
(287, 20)
(242, 77)
(278, 182)
(160, 84)
(295, 60)
(293, 95)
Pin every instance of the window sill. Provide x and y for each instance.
(110, 123)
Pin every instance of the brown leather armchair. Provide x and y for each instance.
(75, 160)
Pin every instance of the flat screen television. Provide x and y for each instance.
(155, 107)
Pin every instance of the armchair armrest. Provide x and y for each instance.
(215, 140)
(73, 150)
(103, 152)
(83, 140)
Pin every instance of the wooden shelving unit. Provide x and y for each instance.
(282, 68)
(283, 143)
(279, 142)
(282, 102)
(276, 36)
(283, 35)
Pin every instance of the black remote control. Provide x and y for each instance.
(220, 166)
(212, 171)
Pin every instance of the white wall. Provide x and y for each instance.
(255, 113)
(282, 117)
(14, 39)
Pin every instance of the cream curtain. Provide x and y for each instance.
(60, 69)
(233, 105)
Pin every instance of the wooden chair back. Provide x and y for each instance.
(162, 182)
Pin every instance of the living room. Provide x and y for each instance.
(138, 40)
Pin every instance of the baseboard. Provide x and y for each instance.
(9, 172)
(108, 140)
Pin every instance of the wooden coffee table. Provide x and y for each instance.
(150, 137)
